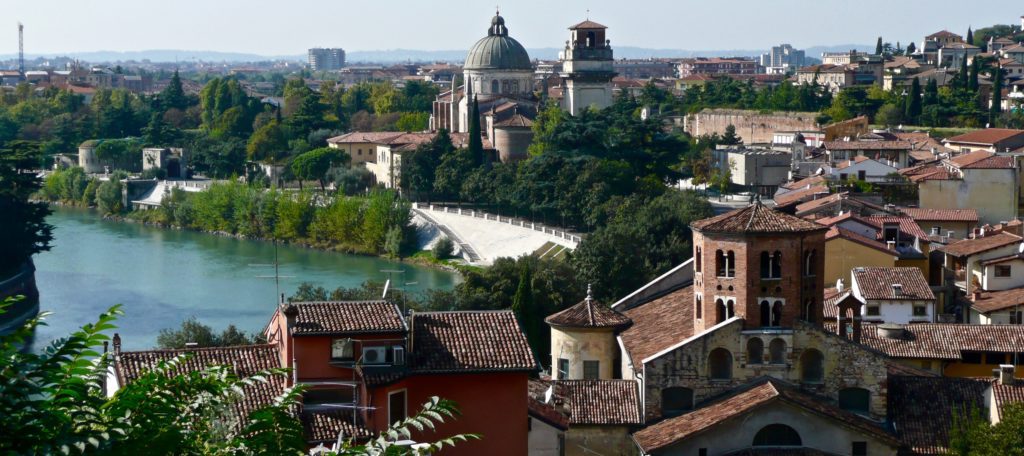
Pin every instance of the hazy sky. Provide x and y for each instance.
(289, 27)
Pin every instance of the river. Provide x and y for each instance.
(165, 276)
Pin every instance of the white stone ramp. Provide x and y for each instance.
(492, 239)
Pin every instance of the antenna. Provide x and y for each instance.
(277, 273)
(21, 49)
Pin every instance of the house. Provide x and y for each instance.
(892, 153)
(989, 139)
(872, 241)
(981, 180)
(385, 150)
(863, 169)
(361, 146)
(834, 77)
(599, 414)
(893, 295)
(952, 55)
(963, 259)
(836, 204)
(367, 365)
(759, 169)
(950, 223)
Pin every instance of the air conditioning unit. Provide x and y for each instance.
(374, 355)
(399, 355)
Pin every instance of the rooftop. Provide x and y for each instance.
(755, 219)
(346, 317)
(922, 408)
(868, 145)
(968, 247)
(588, 313)
(878, 283)
(659, 324)
(993, 301)
(601, 401)
(943, 340)
(473, 341)
(986, 136)
(920, 214)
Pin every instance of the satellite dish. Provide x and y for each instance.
(550, 391)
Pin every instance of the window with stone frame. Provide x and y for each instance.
(777, 351)
(720, 311)
(720, 364)
(591, 370)
(812, 366)
(755, 350)
(697, 260)
(771, 265)
(698, 306)
(563, 369)
(810, 262)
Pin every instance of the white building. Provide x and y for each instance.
(898, 295)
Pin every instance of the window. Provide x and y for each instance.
(676, 401)
(755, 351)
(777, 349)
(856, 400)
(810, 262)
(766, 313)
(697, 259)
(862, 175)
(702, 452)
(341, 349)
(920, 311)
(812, 366)
(995, 358)
(396, 406)
(725, 263)
(730, 310)
(1002, 270)
(843, 176)
(494, 86)
(698, 306)
(859, 449)
(777, 435)
(563, 369)
(1015, 317)
(720, 311)
(720, 364)
(591, 370)
(777, 313)
(874, 311)
(970, 357)
(323, 398)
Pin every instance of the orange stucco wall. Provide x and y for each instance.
(313, 354)
(493, 405)
(974, 370)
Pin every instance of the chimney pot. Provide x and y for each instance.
(1005, 374)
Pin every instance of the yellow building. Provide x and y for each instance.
(980, 180)
(583, 345)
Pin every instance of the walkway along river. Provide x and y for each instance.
(165, 276)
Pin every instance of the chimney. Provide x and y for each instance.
(1005, 374)
(117, 344)
(291, 312)
(897, 290)
(839, 285)
(935, 231)
(891, 245)
(890, 331)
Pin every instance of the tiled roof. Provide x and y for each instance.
(986, 136)
(755, 218)
(1002, 259)
(922, 408)
(325, 426)
(1005, 395)
(517, 120)
(588, 314)
(991, 301)
(852, 236)
(552, 412)
(831, 297)
(907, 224)
(876, 283)
(587, 24)
(469, 342)
(943, 34)
(966, 159)
(659, 324)
(967, 247)
(997, 162)
(941, 215)
(943, 340)
(601, 401)
(849, 163)
(868, 145)
(798, 196)
(347, 317)
(805, 182)
(742, 401)
(929, 173)
(823, 201)
(244, 361)
(364, 137)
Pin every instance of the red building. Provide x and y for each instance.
(717, 66)
(367, 365)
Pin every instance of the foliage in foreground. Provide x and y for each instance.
(53, 402)
(972, 434)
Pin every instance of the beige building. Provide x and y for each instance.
(361, 146)
(835, 77)
(980, 180)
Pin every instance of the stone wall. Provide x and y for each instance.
(582, 440)
(752, 126)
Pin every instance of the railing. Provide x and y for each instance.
(562, 234)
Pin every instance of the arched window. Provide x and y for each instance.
(777, 435)
(730, 264)
(766, 265)
(720, 311)
(697, 260)
(730, 310)
(698, 306)
(810, 262)
(505, 86)
(755, 351)
(777, 350)
(766, 313)
(777, 313)
(720, 364)
(676, 401)
(812, 366)
(720, 263)
(807, 313)
(777, 264)
(856, 400)
(494, 86)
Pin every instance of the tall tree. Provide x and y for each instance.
(524, 306)
(729, 137)
(914, 101)
(879, 48)
(997, 96)
(972, 77)
(911, 48)
(960, 82)
(970, 36)
(476, 144)
(23, 227)
(931, 93)
(173, 96)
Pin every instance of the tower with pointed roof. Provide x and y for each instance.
(583, 345)
(587, 68)
(760, 265)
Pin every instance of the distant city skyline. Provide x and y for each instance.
(291, 28)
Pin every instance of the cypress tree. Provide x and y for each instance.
(524, 306)
(931, 93)
(961, 76)
(914, 101)
(970, 36)
(476, 144)
(878, 46)
(997, 97)
(911, 48)
(972, 77)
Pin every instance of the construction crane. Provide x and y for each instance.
(21, 49)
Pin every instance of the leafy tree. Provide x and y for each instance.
(970, 36)
(444, 248)
(315, 164)
(108, 197)
(890, 115)
(971, 433)
(911, 48)
(23, 226)
(526, 311)
(413, 121)
(192, 331)
(931, 93)
(419, 168)
(158, 133)
(267, 144)
(124, 154)
(972, 76)
(173, 96)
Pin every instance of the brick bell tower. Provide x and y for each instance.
(760, 265)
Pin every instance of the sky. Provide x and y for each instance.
(289, 27)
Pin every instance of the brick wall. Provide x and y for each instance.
(752, 126)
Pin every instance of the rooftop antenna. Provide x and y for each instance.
(277, 273)
(21, 49)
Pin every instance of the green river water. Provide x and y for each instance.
(165, 276)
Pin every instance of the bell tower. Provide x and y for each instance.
(587, 68)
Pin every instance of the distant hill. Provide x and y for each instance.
(404, 55)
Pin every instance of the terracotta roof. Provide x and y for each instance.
(480, 341)
(797, 196)
(517, 120)
(852, 236)
(587, 24)
(831, 299)
(588, 314)
(991, 301)
(921, 408)
(967, 247)
(601, 401)
(868, 145)
(755, 218)
(1005, 395)
(553, 412)
(659, 324)
(936, 172)
(849, 163)
(741, 402)
(907, 224)
(921, 214)
(807, 181)
(943, 34)
(364, 137)
(325, 426)
(844, 199)
(347, 317)
(244, 361)
(997, 162)
(943, 340)
(968, 158)
(876, 283)
(986, 136)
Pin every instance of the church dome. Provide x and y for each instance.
(497, 50)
